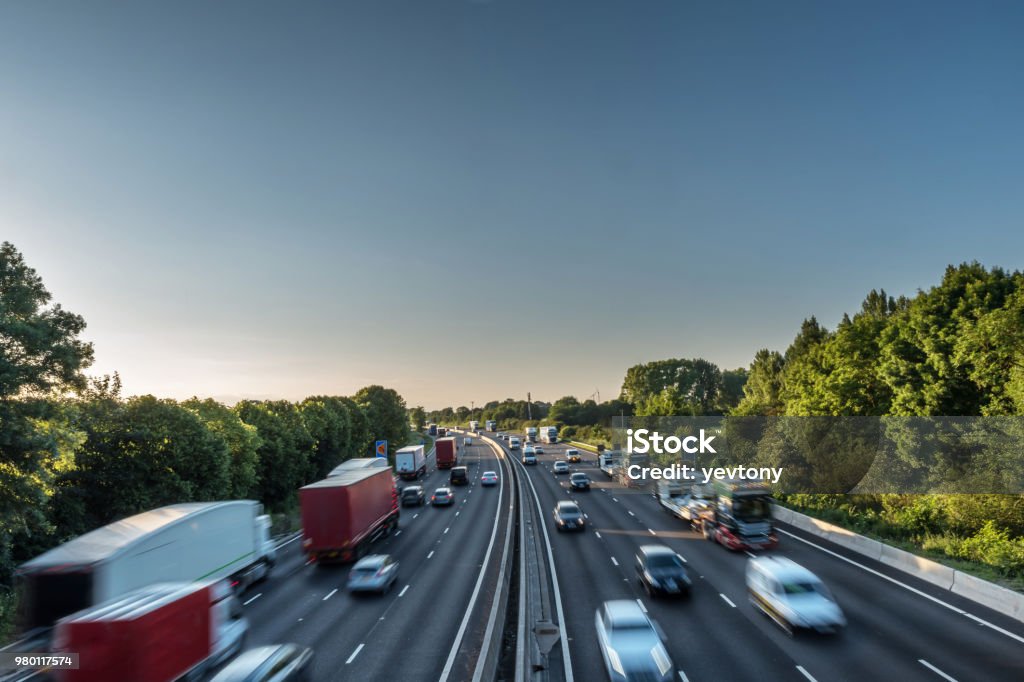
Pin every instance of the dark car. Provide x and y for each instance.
(568, 516)
(579, 481)
(413, 496)
(458, 476)
(276, 663)
(661, 571)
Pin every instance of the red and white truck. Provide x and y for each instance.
(159, 633)
(342, 515)
(446, 452)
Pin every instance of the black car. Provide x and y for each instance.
(413, 496)
(579, 481)
(568, 516)
(276, 663)
(458, 476)
(661, 571)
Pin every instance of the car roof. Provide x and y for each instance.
(372, 560)
(248, 662)
(412, 487)
(624, 611)
(490, 473)
(443, 489)
(577, 474)
(567, 504)
(784, 569)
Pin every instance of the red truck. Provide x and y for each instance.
(158, 633)
(446, 452)
(343, 514)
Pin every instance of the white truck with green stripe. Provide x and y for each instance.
(178, 543)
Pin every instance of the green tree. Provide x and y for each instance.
(41, 355)
(286, 449)
(327, 420)
(762, 392)
(137, 455)
(241, 440)
(385, 412)
(418, 417)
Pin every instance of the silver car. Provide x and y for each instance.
(374, 573)
(792, 596)
(560, 467)
(632, 645)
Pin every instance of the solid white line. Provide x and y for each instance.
(431, 554)
(330, 594)
(398, 532)
(727, 600)
(683, 677)
(252, 599)
(288, 542)
(404, 590)
(907, 587)
(614, 561)
(476, 591)
(805, 673)
(641, 603)
(354, 654)
(935, 670)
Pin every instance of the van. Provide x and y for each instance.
(529, 455)
(513, 443)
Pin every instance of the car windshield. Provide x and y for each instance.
(806, 588)
(569, 511)
(752, 509)
(664, 561)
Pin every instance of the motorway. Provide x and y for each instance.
(425, 628)
(899, 627)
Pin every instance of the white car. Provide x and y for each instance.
(792, 596)
(632, 645)
(538, 449)
(489, 478)
(560, 467)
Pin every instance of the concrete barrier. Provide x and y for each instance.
(925, 569)
(995, 597)
(988, 594)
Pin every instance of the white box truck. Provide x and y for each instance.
(530, 434)
(549, 434)
(411, 462)
(490, 425)
(178, 543)
(474, 426)
(513, 443)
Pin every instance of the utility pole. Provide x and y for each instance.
(529, 407)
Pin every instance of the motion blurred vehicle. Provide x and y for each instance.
(792, 596)
(739, 515)
(538, 449)
(374, 573)
(274, 663)
(573, 455)
(568, 516)
(467, 441)
(632, 645)
(344, 514)
(560, 467)
(413, 495)
(685, 502)
(489, 478)
(579, 481)
(662, 572)
(176, 543)
(129, 637)
(442, 497)
(458, 476)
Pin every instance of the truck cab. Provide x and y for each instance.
(740, 515)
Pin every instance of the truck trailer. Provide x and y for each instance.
(739, 515)
(410, 462)
(490, 425)
(549, 434)
(474, 426)
(160, 633)
(178, 543)
(530, 434)
(342, 515)
(446, 453)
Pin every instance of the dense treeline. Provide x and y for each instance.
(75, 454)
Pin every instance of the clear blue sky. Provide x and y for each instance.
(472, 200)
